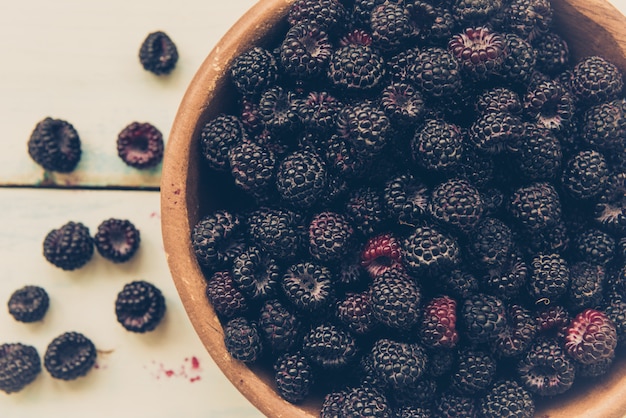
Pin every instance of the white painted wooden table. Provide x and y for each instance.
(77, 60)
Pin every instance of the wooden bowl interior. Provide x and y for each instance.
(189, 190)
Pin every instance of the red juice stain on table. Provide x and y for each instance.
(190, 370)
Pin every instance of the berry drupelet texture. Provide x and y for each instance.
(69, 356)
(117, 240)
(69, 247)
(217, 239)
(158, 53)
(55, 145)
(29, 303)
(293, 377)
(140, 306)
(253, 71)
(243, 340)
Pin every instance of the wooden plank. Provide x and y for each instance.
(164, 373)
(78, 61)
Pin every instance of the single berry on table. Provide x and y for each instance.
(55, 145)
(139, 306)
(29, 303)
(140, 145)
(69, 356)
(69, 247)
(158, 53)
(117, 240)
(19, 366)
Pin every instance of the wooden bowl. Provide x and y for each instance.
(188, 191)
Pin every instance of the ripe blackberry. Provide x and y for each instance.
(140, 145)
(253, 71)
(398, 65)
(256, 274)
(551, 105)
(158, 53)
(469, 12)
(519, 333)
(319, 110)
(140, 306)
(552, 320)
(412, 412)
(243, 340)
(595, 246)
(402, 104)
(458, 283)
(365, 126)
(479, 50)
(224, 296)
(553, 55)
(474, 372)
(117, 240)
(555, 239)
(28, 303)
(615, 310)
(69, 247)
(356, 68)
(343, 159)
(477, 167)
(499, 99)
(519, 63)
(436, 73)
(483, 317)
(253, 167)
(451, 404)
(549, 278)
(55, 145)
(406, 199)
(301, 179)
(365, 210)
(332, 403)
(434, 22)
(539, 156)
(381, 253)
(508, 279)
(438, 323)
(610, 208)
(329, 346)
(529, 19)
(305, 51)
(70, 356)
(546, 369)
(427, 251)
(280, 328)
(395, 299)
(496, 132)
(492, 243)
(217, 137)
(308, 286)
(585, 175)
(398, 364)
(327, 14)
(330, 236)
(278, 109)
(356, 313)
(536, 206)
(456, 203)
(293, 377)
(587, 285)
(19, 366)
(366, 401)
(596, 369)
(604, 126)
(391, 26)
(507, 398)
(591, 337)
(596, 80)
(278, 232)
(438, 146)
(217, 238)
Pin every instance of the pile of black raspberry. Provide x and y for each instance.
(433, 217)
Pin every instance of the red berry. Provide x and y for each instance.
(591, 337)
(380, 254)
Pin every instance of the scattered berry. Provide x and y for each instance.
(158, 53)
(29, 303)
(117, 240)
(140, 145)
(19, 366)
(139, 306)
(70, 356)
(55, 145)
(69, 247)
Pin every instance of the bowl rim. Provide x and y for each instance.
(177, 208)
